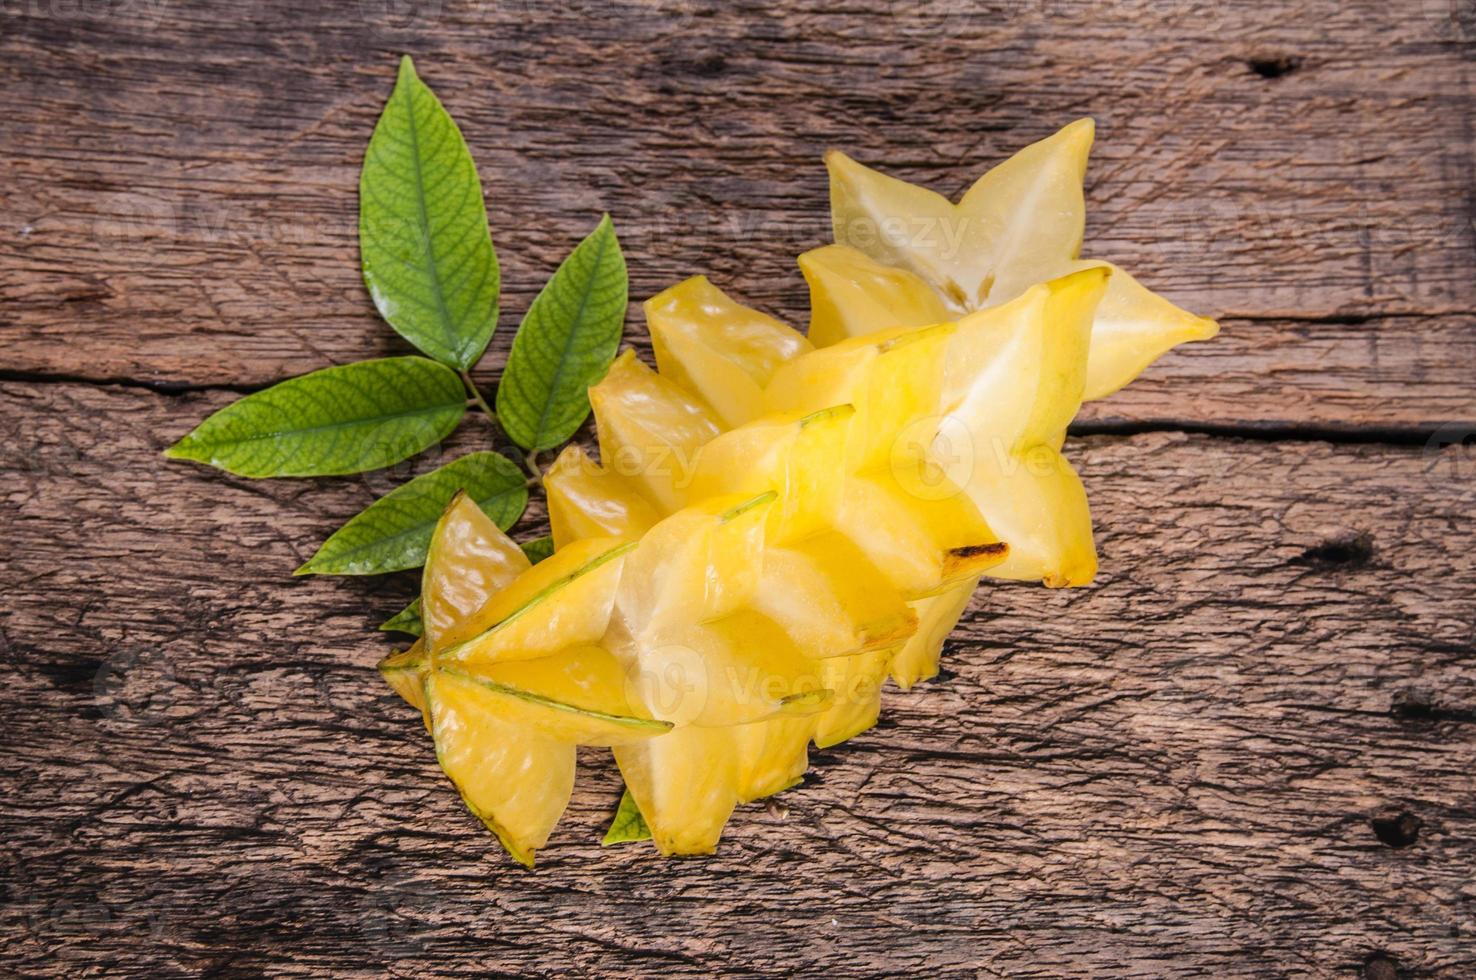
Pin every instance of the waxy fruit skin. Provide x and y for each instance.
(779, 522)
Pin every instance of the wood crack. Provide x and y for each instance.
(164, 387)
(1349, 434)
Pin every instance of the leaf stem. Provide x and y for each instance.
(530, 463)
(476, 396)
(528, 460)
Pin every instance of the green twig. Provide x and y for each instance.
(476, 396)
(529, 461)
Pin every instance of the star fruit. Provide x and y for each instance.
(905, 255)
(779, 522)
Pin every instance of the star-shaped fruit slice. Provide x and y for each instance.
(717, 348)
(505, 731)
(904, 253)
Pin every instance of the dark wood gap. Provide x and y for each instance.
(1420, 435)
(1426, 434)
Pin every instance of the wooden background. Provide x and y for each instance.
(1246, 751)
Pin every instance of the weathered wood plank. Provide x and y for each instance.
(191, 219)
(1171, 772)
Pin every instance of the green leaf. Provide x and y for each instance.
(423, 240)
(565, 344)
(394, 532)
(339, 420)
(628, 824)
(538, 549)
(407, 620)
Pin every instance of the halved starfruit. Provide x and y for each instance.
(505, 732)
(778, 523)
(1018, 225)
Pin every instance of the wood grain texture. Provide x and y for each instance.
(1246, 751)
(1172, 772)
(180, 178)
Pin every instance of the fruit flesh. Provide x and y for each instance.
(717, 348)
(1023, 370)
(562, 601)
(936, 617)
(851, 293)
(779, 523)
(649, 429)
(505, 735)
(585, 500)
(517, 783)
(466, 564)
(1018, 225)
(694, 610)
(871, 497)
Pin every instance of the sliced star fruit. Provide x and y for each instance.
(777, 524)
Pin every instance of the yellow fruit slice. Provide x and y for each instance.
(650, 429)
(685, 783)
(857, 683)
(1015, 226)
(893, 379)
(568, 699)
(936, 617)
(899, 224)
(1017, 373)
(492, 730)
(1020, 369)
(577, 696)
(920, 545)
(563, 601)
(852, 294)
(516, 782)
(797, 456)
(1133, 328)
(405, 674)
(717, 348)
(730, 671)
(830, 599)
(1018, 225)
(834, 375)
(469, 560)
(771, 755)
(696, 565)
(1025, 217)
(585, 500)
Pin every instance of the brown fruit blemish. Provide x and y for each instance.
(998, 548)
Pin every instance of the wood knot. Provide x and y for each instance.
(711, 66)
(1275, 67)
(1398, 829)
(1413, 703)
(1381, 966)
(1417, 704)
(700, 66)
(1346, 550)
